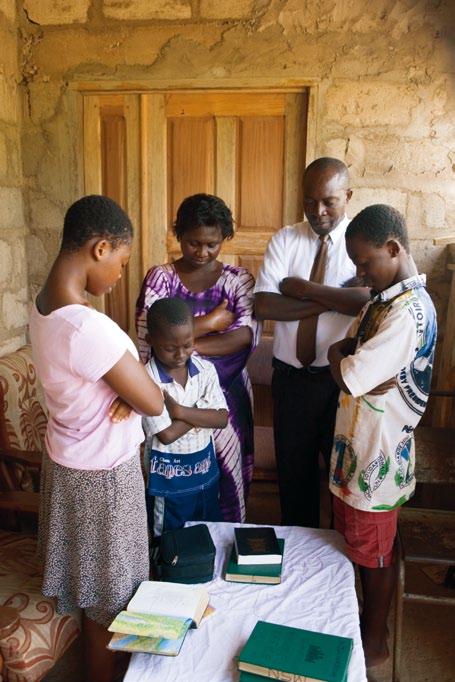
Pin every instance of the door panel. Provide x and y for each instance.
(112, 168)
(113, 161)
(191, 159)
(261, 173)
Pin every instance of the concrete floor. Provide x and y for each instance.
(428, 631)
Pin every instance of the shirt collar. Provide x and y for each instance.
(336, 234)
(165, 378)
(414, 282)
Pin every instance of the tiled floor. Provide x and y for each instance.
(428, 631)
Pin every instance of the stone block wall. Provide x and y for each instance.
(385, 100)
(13, 261)
(384, 73)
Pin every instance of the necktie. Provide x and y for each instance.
(306, 333)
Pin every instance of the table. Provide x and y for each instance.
(317, 592)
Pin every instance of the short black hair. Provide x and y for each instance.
(379, 223)
(168, 312)
(201, 210)
(325, 163)
(95, 216)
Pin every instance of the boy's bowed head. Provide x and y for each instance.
(377, 243)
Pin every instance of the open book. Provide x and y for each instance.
(158, 617)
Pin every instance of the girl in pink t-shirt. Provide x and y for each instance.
(93, 526)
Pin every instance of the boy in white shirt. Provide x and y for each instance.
(372, 465)
(183, 471)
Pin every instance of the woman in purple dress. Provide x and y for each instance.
(221, 297)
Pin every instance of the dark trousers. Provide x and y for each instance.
(304, 411)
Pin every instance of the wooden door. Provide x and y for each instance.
(112, 168)
(246, 147)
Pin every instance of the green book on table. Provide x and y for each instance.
(261, 574)
(294, 654)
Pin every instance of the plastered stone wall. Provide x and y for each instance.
(13, 261)
(385, 102)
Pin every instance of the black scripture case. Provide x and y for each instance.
(186, 555)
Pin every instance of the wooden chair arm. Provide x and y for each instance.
(28, 457)
(19, 500)
(9, 621)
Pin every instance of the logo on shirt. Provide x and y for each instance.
(405, 472)
(414, 380)
(346, 462)
(372, 477)
(167, 469)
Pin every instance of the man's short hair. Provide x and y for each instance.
(201, 210)
(379, 223)
(325, 163)
(168, 312)
(95, 216)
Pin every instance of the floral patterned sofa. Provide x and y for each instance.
(32, 636)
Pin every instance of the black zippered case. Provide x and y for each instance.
(186, 555)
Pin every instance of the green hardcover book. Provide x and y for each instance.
(295, 655)
(262, 574)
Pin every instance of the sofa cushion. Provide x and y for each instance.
(42, 636)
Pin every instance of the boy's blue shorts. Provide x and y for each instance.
(171, 512)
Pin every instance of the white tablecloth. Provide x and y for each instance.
(317, 592)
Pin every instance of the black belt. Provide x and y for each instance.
(290, 369)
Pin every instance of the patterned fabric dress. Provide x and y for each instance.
(234, 444)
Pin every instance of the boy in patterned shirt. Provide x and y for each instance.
(372, 465)
(183, 471)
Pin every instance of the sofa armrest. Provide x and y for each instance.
(9, 621)
(30, 458)
(20, 501)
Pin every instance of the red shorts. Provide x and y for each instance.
(369, 535)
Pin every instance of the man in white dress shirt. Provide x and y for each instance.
(310, 316)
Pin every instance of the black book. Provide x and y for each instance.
(257, 546)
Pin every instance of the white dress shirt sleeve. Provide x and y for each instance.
(275, 265)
